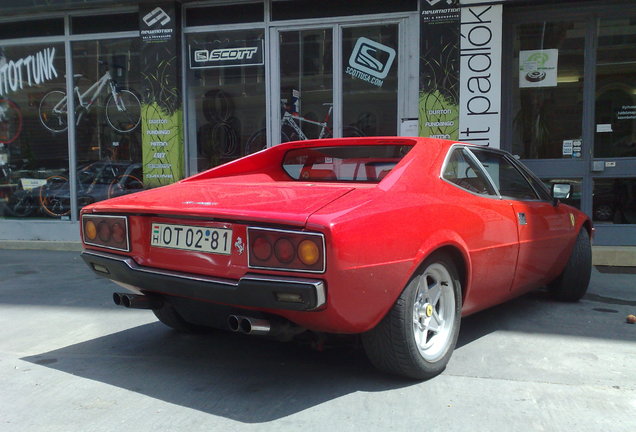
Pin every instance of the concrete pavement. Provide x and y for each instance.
(72, 361)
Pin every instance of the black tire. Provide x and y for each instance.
(55, 122)
(171, 318)
(217, 106)
(571, 285)
(403, 345)
(124, 114)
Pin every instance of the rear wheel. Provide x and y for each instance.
(571, 285)
(417, 336)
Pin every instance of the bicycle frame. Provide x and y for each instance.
(96, 89)
(289, 119)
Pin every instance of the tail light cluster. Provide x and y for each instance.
(106, 231)
(286, 250)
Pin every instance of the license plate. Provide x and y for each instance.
(193, 238)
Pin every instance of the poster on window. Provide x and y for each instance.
(538, 68)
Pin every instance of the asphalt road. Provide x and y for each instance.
(72, 361)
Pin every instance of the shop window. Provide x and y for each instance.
(225, 93)
(225, 14)
(33, 28)
(616, 89)
(306, 84)
(105, 23)
(307, 9)
(370, 80)
(547, 83)
(33, 156)
(614, 201)
(108, 114)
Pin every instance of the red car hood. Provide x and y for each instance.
(287, 202)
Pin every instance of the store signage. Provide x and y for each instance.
(29, 71)
(239, 53)
(370, 61)
(480, 75)
(162, 107)
(538, 68)
(439, 71)
(154, 26)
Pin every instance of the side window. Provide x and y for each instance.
(461, 170)
(508, 179)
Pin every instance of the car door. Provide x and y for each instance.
(544, 229)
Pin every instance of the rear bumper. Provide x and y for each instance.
(252, 290)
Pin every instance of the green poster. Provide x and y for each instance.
(162, 109)
(439, 70)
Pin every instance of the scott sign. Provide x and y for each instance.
(203, 58)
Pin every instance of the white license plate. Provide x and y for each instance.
(194, 238)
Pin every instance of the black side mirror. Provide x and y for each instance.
(561, 191)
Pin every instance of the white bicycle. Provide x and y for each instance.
(123, 109)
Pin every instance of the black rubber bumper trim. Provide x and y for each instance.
(252, 290)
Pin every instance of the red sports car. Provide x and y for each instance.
(391, 238)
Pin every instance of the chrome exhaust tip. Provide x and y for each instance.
(136, 301)
(254, 326)
(233, 323)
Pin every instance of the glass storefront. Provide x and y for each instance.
(548, 89)
(31, 153)
(225, 93)
(37, 170)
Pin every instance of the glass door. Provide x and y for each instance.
(572, 108)
(335, 81)
(614, 165)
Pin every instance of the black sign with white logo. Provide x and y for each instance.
(226, 54)
(156, 24)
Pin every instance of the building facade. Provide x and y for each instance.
(162, 90)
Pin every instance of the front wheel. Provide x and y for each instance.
(571, 285)
(123, 111)
(417, 336)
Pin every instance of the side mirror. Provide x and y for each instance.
(561, 191)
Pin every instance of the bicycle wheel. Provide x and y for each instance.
(257, 142)
(124, 184)
(10, 121)
(21, 204)
(52, 111)
(123, 111)
(55, 197)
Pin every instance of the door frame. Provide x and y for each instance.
(407, 63)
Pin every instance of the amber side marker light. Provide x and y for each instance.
(298, 251)
(106, 231)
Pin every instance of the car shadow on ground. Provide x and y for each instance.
(244, 378)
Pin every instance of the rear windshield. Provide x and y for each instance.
(359, 163)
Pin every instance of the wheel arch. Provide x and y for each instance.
(456, 250)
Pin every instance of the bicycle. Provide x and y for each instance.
(123, 108)
(291, 129)
(10, 121)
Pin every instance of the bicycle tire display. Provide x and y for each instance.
(123, 111)
(54, 121)
(54, 196)
(10, 121)
(217, 106)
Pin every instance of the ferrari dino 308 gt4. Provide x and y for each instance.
(394, 239)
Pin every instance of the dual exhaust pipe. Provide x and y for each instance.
(249, 325)
(137, 301)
